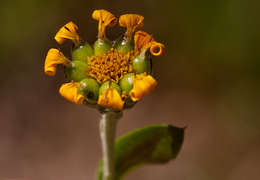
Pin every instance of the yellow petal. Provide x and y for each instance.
(142, 40)
(131, 22)
(102, 15)
(68, 31)
(143, 85)
(53, 58)
(111, 98)
(70, 92)
(104, 18)
(157, 49)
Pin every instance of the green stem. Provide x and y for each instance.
(107, 132)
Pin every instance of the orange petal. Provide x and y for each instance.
(70, 92)
(111, 98)
(142, 40)
(157, 49)
(102, 15)
(104, 18)
(142, 86)
(68, 31)
(131, 22)
(53, 58)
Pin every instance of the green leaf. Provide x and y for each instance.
(155, 144)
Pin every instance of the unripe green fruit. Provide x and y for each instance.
(89, 89)
(77, 71)
(102, 46)
(126, 83)
(124, 46)
(109, 84)
(142, 64)
(81, 53)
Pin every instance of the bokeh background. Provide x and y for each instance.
(208, 81)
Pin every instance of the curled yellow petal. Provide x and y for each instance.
(157, 49)
(104, 19)
(142, 86)
(53, 58)
(68, 31)
(111, 98)
(144, 40)
(130, 22)
(70, 92)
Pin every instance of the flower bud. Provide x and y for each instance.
(82, 52)
(102, 46)
(77, 71)
(89, 89)
(109, 84)
(142, 63)
(126, 83)
(124, 46)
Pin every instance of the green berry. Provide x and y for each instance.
(77, 71)
(102, 46)
(126, 83)
(124, 46)
(142, 64)
(82, 53)
(89, 88)
(109, 84)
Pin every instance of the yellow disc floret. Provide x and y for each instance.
(112, 65)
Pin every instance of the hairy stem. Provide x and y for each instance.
(107, 132)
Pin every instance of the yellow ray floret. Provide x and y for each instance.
(68, 31)
(70, 92)
(157, 49)
(143, 85)
(53, 58)
(112, 65)
(144, 40)
(104, 19)
(111, 98)
(130, 22)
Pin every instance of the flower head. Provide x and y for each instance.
(109, 75)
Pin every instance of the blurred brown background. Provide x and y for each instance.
(208, 80)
